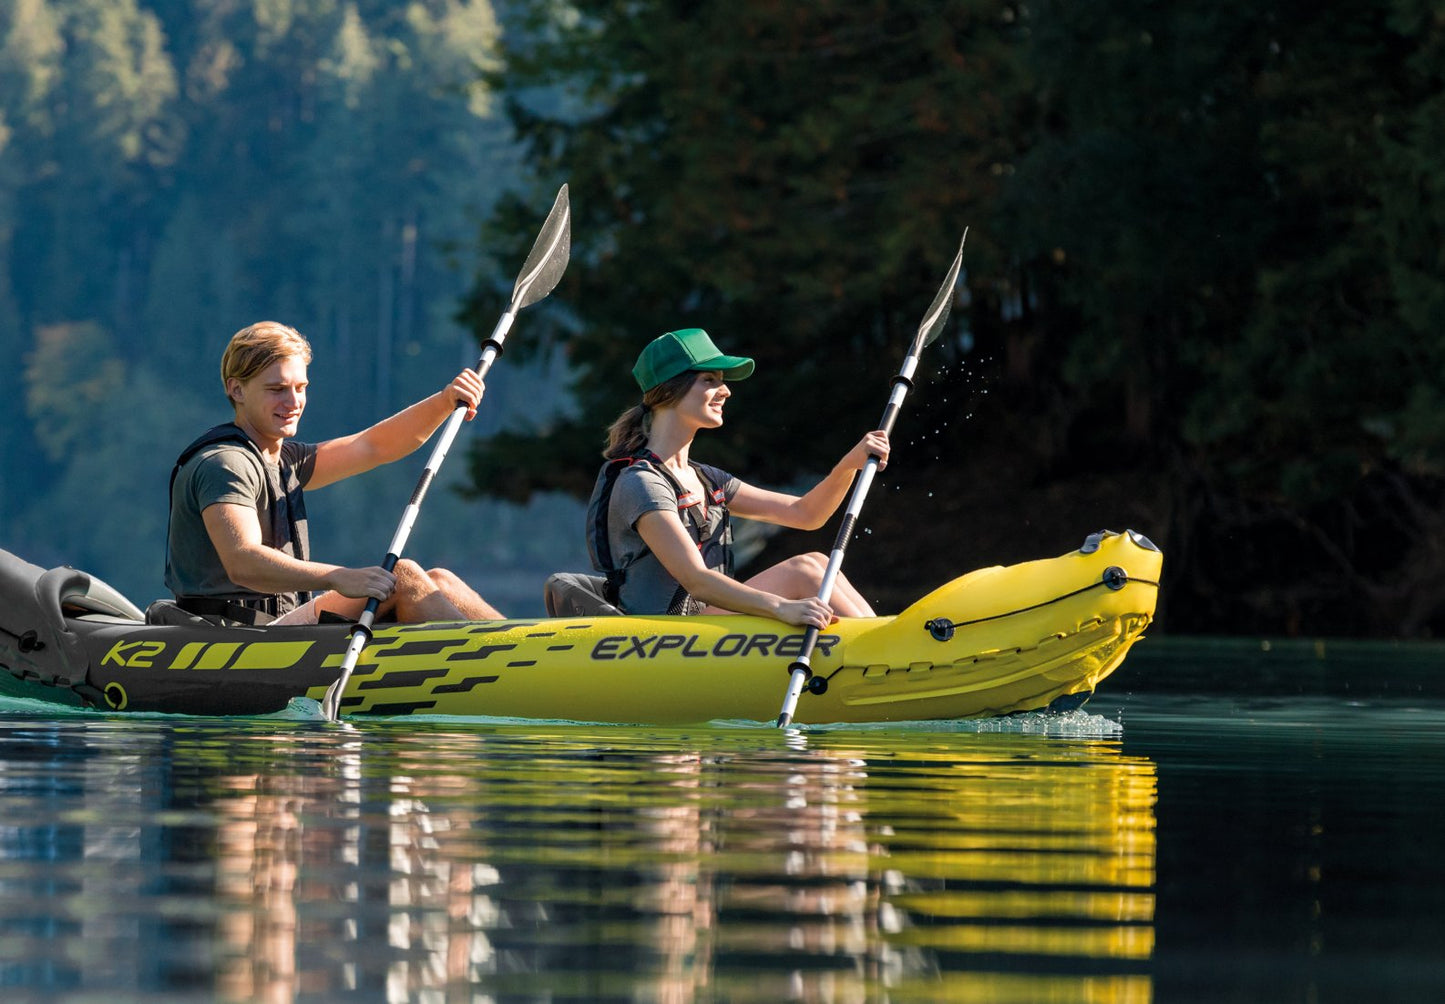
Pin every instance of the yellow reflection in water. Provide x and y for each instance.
(676, 866)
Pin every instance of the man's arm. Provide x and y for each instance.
(236, 534)
(394, 437)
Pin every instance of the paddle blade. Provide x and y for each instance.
(548, 259)
(932, 324)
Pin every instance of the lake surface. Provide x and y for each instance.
(1224, 821)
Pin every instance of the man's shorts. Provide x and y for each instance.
(306, 613)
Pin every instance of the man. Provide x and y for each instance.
(237, 547)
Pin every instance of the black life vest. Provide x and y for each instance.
(286, 505)
(716, 548)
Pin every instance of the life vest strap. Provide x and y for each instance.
(687, 506)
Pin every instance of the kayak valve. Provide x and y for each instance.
(1115, 577)
(1093, 540)
(941, 628)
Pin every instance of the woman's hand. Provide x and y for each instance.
(811, 612)
(466, 389)
(873, 444)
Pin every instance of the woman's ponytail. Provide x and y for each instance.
(628, 435)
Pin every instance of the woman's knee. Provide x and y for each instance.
(811, 563)
(806, 569)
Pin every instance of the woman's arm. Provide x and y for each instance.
(663, 533)
(810, 511)
(395, 437)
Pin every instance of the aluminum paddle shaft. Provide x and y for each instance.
(931, 327)
(539, 276)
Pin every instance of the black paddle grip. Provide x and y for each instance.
(422, 485)
(890, 415)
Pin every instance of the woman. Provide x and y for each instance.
(658, 523)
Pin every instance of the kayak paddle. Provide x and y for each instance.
(800, 672)
(540, 273)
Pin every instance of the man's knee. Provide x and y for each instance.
(411, 579)
(444, 578)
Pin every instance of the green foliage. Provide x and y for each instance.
(72, 374)
(1205, 259)
(1411, 230)
(794, 178)
(105, 510)
(1135, 210)
(171, 170)
(1334, 372)
(1204, 266)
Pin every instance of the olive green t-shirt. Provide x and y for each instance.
(233, 473)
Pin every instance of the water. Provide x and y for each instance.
(1221, 823)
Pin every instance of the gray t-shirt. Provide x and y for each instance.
(232, 473)
(640, 489)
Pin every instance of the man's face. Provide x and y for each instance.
(270, 404)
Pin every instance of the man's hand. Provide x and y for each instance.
(373, 582)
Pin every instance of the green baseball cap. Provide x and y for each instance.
(676, 352)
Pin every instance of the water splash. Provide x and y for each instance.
(1076, 724)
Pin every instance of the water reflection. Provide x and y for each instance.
(426, 860)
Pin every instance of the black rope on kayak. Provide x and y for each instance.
(1114, 577)
(27, 640)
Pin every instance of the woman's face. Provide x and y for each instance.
(703, 403)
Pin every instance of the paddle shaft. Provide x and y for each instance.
(801, 668)
(361, 630)
(539, 276)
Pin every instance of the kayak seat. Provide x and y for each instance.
(77, 594)
(575, 594)
(167, 612)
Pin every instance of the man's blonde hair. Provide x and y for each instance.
(257, 346)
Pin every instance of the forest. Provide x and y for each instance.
(172, 170)
(1204, 289)
(1203, 292)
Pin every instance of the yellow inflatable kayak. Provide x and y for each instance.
(998, 640)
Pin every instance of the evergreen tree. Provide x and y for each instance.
(174, 169)
(792, 178)
(1205, 255)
